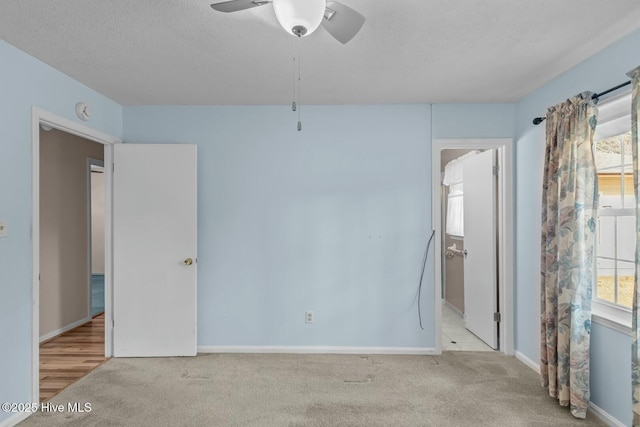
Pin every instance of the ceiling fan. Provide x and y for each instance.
(302, 17)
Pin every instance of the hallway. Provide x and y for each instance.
(70, 356)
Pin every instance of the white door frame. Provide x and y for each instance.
(505, 229)
(39, 116)
(91, 165)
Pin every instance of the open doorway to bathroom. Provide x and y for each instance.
(460, 209)
(497, 304)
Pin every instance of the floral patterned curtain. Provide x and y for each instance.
(635, 355)
(569, 204)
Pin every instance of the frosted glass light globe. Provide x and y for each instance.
(299, 17)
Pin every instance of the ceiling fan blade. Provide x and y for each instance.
(342, 22)
(236, 5)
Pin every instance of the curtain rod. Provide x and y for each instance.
(595, 96)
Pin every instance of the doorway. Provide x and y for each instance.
(49, 123)
(504, 235)
(67, 352)
(469, 282)
(96, 235)
(65, 262)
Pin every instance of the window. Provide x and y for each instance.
(616, 237)
(616, 220)
(453, 177)
(455, 210)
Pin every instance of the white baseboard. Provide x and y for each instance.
(530, 363)
(454, 309)
(64, 329)
(604, 416)
(15, 419)
(315, 350)
(600, 413)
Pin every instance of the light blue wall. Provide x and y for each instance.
(25, 82)
(598, 73)
(473, 121)
(332, 219)
(611, 372)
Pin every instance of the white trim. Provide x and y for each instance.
(108, 250)
(530, 363)
(604, 416)
(504, 146)
(453, 308)
(39, 116)
(15, 419)
(315, 349)
(35, 255)
(600, 413)
(64, 329)
(613, 316)
(611, 324)
(74, 128)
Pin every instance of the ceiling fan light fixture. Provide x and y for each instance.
(299, 17)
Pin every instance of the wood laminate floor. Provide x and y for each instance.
(70, 356)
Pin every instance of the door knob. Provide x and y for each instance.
(188, 261)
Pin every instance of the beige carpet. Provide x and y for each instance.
(455, 389)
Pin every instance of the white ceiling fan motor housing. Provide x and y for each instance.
(299, 17)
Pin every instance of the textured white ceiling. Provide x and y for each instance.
(409, 51)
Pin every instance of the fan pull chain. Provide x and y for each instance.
(298, 83)
(299, 78)
(293, 104)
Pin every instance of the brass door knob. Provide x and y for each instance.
(188, 261)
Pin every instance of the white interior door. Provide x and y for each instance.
(154, 239)
(480, 286)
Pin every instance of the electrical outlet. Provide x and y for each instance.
(308, 316)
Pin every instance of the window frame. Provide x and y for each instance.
(615, 119)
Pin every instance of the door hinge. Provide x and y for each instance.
(496, 169)
(496, 317)
(113, 167)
